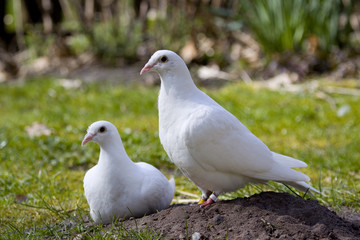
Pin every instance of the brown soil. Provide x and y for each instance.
(267, 215)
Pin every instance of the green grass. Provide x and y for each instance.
(49, 169)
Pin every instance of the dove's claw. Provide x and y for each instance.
(205, 195)
(210, 200)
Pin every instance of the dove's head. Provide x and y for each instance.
(163, 61)
(100, 132)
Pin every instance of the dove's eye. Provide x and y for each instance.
(102, 129)
(164, 59)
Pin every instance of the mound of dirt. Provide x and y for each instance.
(267, 215)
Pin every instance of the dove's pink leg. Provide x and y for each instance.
(205, 195)
(213, 198)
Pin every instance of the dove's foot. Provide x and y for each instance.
(210, 200)
(205, 195)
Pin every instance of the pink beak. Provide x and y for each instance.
(146, 68)
(88, 137)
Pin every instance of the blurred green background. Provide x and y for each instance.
(263, 38)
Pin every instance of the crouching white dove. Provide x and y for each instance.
(117, 187)
(209, 144)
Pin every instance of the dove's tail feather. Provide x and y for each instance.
(282, 170)
(291, 163)
(302, 186)
(281, 173)
(288, 161)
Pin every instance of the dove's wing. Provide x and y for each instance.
(155, 187)
(218, 141)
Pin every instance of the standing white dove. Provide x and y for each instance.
(209, 144)
(117, 187)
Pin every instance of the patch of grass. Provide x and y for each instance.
(49, 169)
(73, 226)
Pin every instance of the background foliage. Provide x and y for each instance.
(301, 36)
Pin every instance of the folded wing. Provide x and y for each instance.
(218, 141)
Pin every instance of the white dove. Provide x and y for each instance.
(209, 144)
(117, 187)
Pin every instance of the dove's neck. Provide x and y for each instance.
(177, 83)
(112, 154)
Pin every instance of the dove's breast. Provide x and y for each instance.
(173, 141)
(172, 126)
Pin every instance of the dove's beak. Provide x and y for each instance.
(146, 68)
(88, 137)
